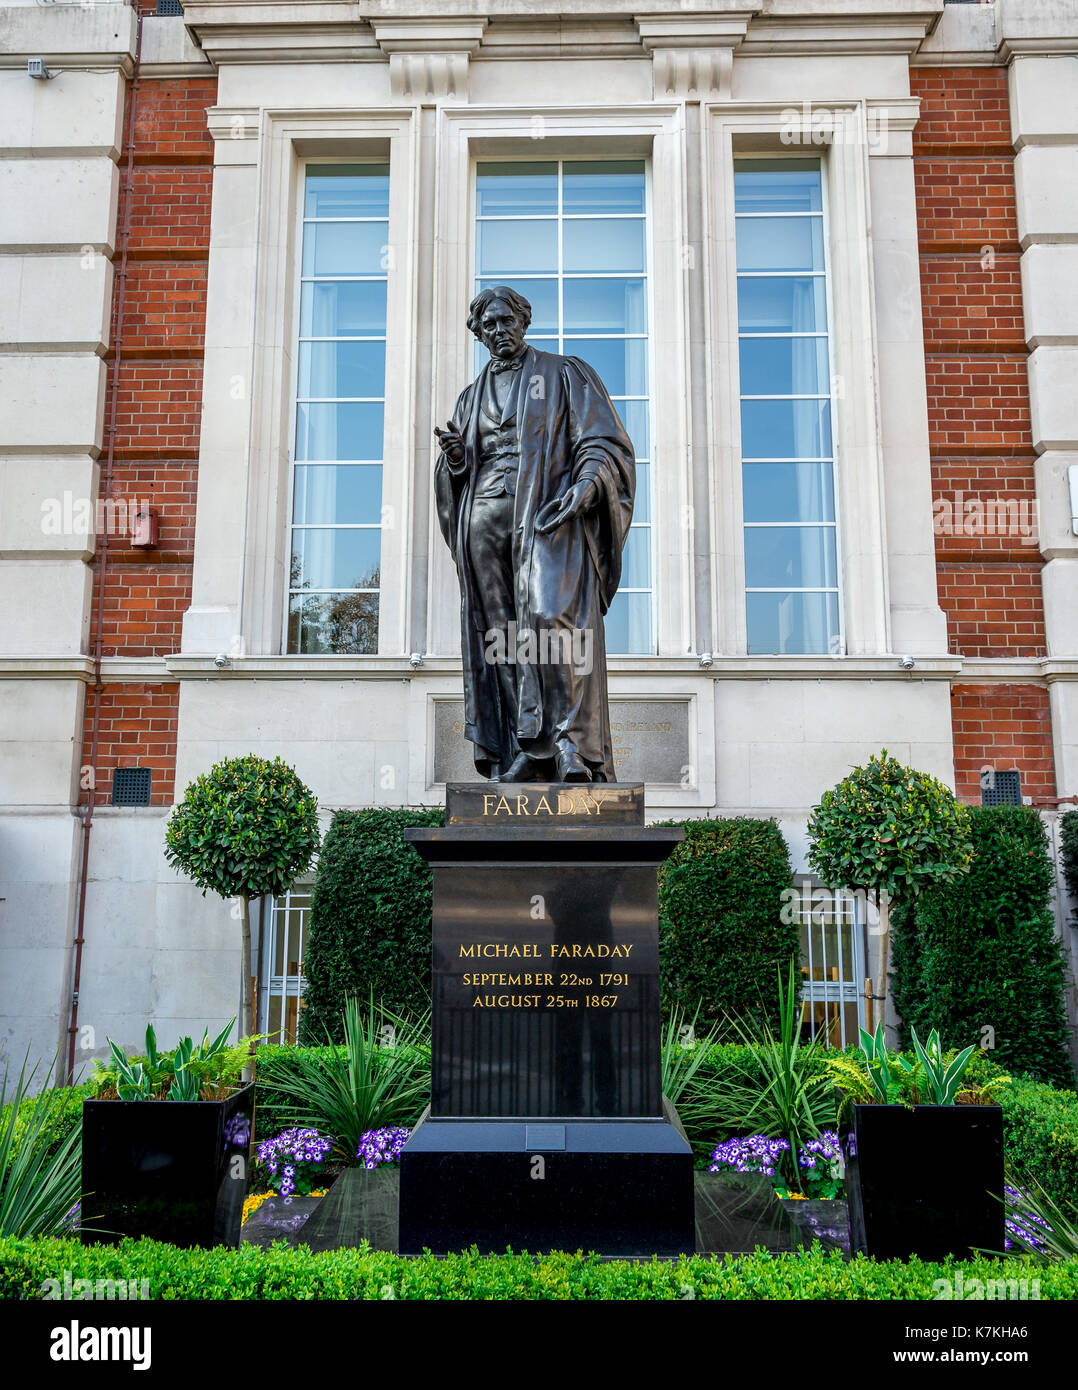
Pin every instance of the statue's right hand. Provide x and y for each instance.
(451, 442)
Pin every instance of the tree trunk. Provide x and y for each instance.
(244, 1021)
(880, 990)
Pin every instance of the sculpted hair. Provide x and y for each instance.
(478, 307)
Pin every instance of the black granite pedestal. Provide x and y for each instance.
(547, 1127)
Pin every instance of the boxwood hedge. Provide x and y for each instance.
(722, 937)
(370, 920)
(283, 1273)
(981, 953)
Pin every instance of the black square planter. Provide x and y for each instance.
(926, 1181)
(171, 1170)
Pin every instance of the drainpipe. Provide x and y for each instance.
(97, 601)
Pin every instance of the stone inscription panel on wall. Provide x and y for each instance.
(651, 742)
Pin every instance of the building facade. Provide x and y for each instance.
(824, 254)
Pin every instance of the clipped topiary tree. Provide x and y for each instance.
(723, 935)
(890, 831)
(370, 926)
(981, 953)
(247, 827)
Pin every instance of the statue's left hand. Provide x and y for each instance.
(580, 498)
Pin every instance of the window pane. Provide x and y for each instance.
(345, 248)
(342, 369)
(628, 623)
(603, 244)
(343, 431)
(608, 185)
(636, 558)
(800, 557)
(634, 416)
(327, 492)
(605, 306)
(785, 429)
(788, 624)
(621, 362)
(347, 190)
(517, 189)
(788, 492)
(777, 185)
(505, 247)
(779, 243)
(324, 623)
(588, 254)
(338, 311)
(784, 367)
(792, 304)
(335, 558)
(542, 295)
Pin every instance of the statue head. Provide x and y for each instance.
(499, 318)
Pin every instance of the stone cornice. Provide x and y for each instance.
(955, 669)
(272, 31)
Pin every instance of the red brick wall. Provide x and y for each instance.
(1005, 727)
(137, 728)
(988, 561)
(978, 390)
(159, 393)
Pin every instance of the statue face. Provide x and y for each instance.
(502, 330)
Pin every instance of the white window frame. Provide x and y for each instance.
(830, 132)
(836, 525)
(561, 160)
(301, 227)
(468, 136)
(289, 141)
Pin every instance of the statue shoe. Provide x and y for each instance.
(571, 766)
(521, 769)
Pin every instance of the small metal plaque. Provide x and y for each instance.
(544, 1137)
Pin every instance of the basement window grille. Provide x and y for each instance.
(1003, 789)
(169, 7)
(131, 786)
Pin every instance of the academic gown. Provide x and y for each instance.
(568, 430)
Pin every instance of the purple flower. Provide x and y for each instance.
(299, 1155)
(382, 1145)
(1022, 1223)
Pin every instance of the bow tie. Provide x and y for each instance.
(513, 365)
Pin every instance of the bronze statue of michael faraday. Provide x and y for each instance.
(534, 487)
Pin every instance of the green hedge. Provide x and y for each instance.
(982, 952)
(370, 920)
(722, 939)
(1040, 1135)
(283, 1273)
(68, 1115)
(1068, 850)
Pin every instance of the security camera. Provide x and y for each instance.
(705, 660)
(221, 661)
(415, 660)
(908, 663)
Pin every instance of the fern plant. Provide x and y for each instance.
(884, 1077)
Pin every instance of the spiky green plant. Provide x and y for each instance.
(40, 1180)
(366, 1085)
(783, 1090)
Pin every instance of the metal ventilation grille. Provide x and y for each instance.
(131, 786)
(169, 7)
(1005, 791)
